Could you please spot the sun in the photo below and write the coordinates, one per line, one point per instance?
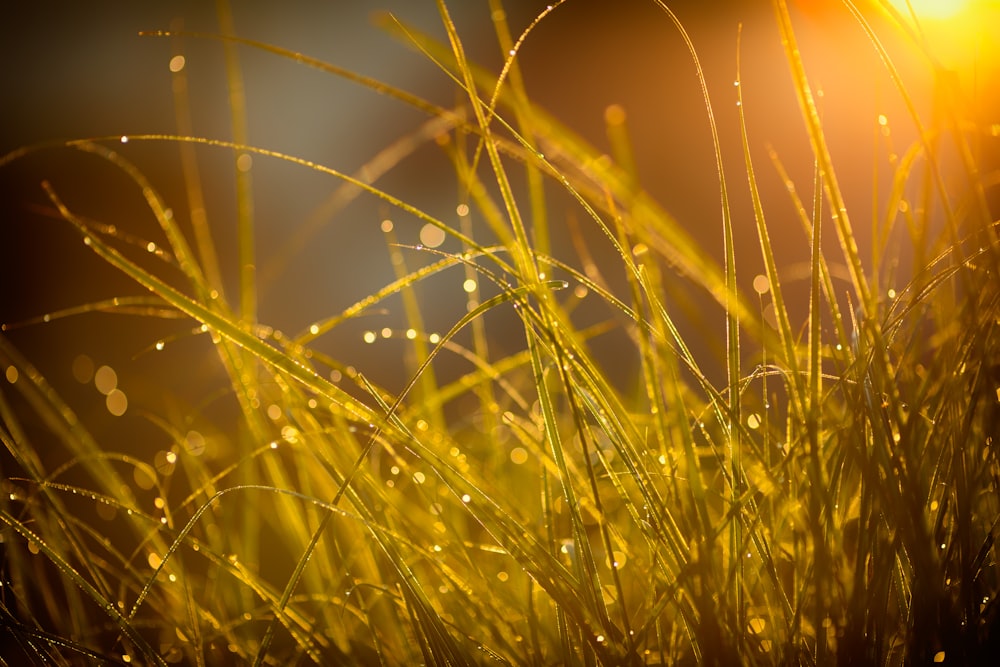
(930, 9)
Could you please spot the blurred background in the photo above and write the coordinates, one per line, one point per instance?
(80, 70)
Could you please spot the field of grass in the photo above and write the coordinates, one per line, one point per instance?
(807, 479)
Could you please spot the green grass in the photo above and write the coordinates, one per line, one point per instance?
(834, 497)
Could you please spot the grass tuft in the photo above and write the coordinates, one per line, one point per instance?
(834, 497)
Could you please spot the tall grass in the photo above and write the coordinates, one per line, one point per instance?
(834, 500)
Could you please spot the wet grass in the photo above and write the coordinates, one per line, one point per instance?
(833, 499)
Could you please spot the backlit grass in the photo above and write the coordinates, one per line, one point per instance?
(831, 495)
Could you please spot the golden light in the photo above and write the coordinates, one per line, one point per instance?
(961, 38)
(930, 9)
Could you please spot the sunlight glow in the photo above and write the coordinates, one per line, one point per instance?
(930, 9)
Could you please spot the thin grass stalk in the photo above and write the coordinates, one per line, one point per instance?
(586, 449)
(798, 402)
(515, 82)
(428, 385)
(814, 129)
(820, 502)
(521, 251)
(207, 255)
(732, 339)
(244, 185)
(480, 341)
(829, 292)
